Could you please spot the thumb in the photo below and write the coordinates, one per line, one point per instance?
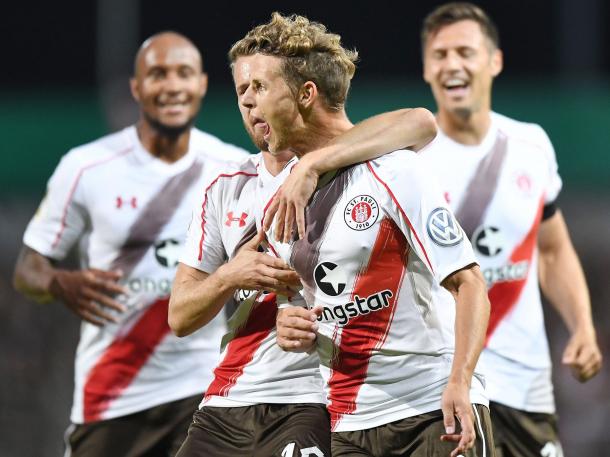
(255, 241)
(448, 418)
(569, 355)
(318, 310)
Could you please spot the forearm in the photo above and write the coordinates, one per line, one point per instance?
(373, 137)
(563, 283)
(33, 275)
(472, 316)
(194, 301)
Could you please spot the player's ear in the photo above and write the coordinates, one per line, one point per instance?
(308, 93)
(203, 84)
(135, 88)
(497, 62)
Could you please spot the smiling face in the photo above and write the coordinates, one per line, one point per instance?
(268, 106)
(169, 83)
(460, 64)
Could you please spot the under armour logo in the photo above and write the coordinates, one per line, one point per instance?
(133, 202)
(241, 220)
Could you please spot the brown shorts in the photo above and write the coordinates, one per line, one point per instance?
(520, 433)
(155, 432)
(265, 430)
(417, 436)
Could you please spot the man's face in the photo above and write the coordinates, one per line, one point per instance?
(460, 64)
(169, 84)
(268, 106)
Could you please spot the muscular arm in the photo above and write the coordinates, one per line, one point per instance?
(369, 139)
(563, 283)
(85, 292)
(198, 296)
(472, 315)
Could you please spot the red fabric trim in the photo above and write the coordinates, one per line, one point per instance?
(367, 332)
(402, 212)
(240, 351)
(123, 360)
(503, 296)
(73, 189)
(205, 200)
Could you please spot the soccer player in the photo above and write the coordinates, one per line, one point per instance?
(378, 244)
(500, 177)
(271, 401)
(126, 199)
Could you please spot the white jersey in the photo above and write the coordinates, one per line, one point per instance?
(497, 191)
(379, 240)
(130, 211)
(253, 369)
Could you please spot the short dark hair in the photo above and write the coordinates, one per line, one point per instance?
(451, 13)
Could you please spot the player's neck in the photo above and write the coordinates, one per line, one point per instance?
(168, 148)
(276, 162)
(468, 129)
(320, 130)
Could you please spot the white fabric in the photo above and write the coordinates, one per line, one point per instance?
(516, 361)
(253, 369)
(96, 195)
(391, 305)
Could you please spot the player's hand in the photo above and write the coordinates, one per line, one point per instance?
(288, 204)
(254, 270)
(582, 355)
(296, 328)
(455, 403)
(88, 293)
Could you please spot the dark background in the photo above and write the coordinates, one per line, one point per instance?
(63, 82)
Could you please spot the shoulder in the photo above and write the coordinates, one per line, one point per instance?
(236, 173)
(526, 133)
(398, 165)
(100, 151)
(210, 146)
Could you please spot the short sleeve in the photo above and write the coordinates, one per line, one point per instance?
(62, 215)
(554, 183)
(415, 203)
(204, 249)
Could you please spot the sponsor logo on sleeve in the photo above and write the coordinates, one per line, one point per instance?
(361, 212)
(443, 228)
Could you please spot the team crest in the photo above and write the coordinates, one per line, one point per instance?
(443, 228)
(361, 212)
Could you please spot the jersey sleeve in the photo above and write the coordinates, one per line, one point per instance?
(204, 249)
(415, 203)
(554, 183)
(62, 215)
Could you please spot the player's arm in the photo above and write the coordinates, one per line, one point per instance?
(369, 139)
(472, 314)
(563, 283)
(86, 292)
(198, 296)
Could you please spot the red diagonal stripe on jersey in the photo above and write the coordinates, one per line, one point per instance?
(503, 296)
(123, 359)
(365, 333)
(241, 349)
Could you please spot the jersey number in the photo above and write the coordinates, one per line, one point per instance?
(308, 451)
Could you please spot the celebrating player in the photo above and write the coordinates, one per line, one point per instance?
(378, 243)
(127, 199)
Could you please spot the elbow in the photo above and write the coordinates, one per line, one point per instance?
(178, 324)
(426, 126)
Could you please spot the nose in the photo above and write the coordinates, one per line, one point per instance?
(173, 82)
(452, 61)
(247, 98)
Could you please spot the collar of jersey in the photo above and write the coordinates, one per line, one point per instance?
(483, 147)
(151, 162)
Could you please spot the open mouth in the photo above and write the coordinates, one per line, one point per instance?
(456, 86)
(261, 127)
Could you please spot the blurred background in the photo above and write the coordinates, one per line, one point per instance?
(64, 81)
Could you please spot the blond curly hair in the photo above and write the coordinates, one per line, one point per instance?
(309, 53)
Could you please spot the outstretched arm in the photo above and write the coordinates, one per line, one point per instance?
(369, 139)
(198, 296)
(472, 315)
(88, 293)
(563, 283)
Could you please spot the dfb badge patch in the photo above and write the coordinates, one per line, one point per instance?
(361, 212)
(443, 228)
